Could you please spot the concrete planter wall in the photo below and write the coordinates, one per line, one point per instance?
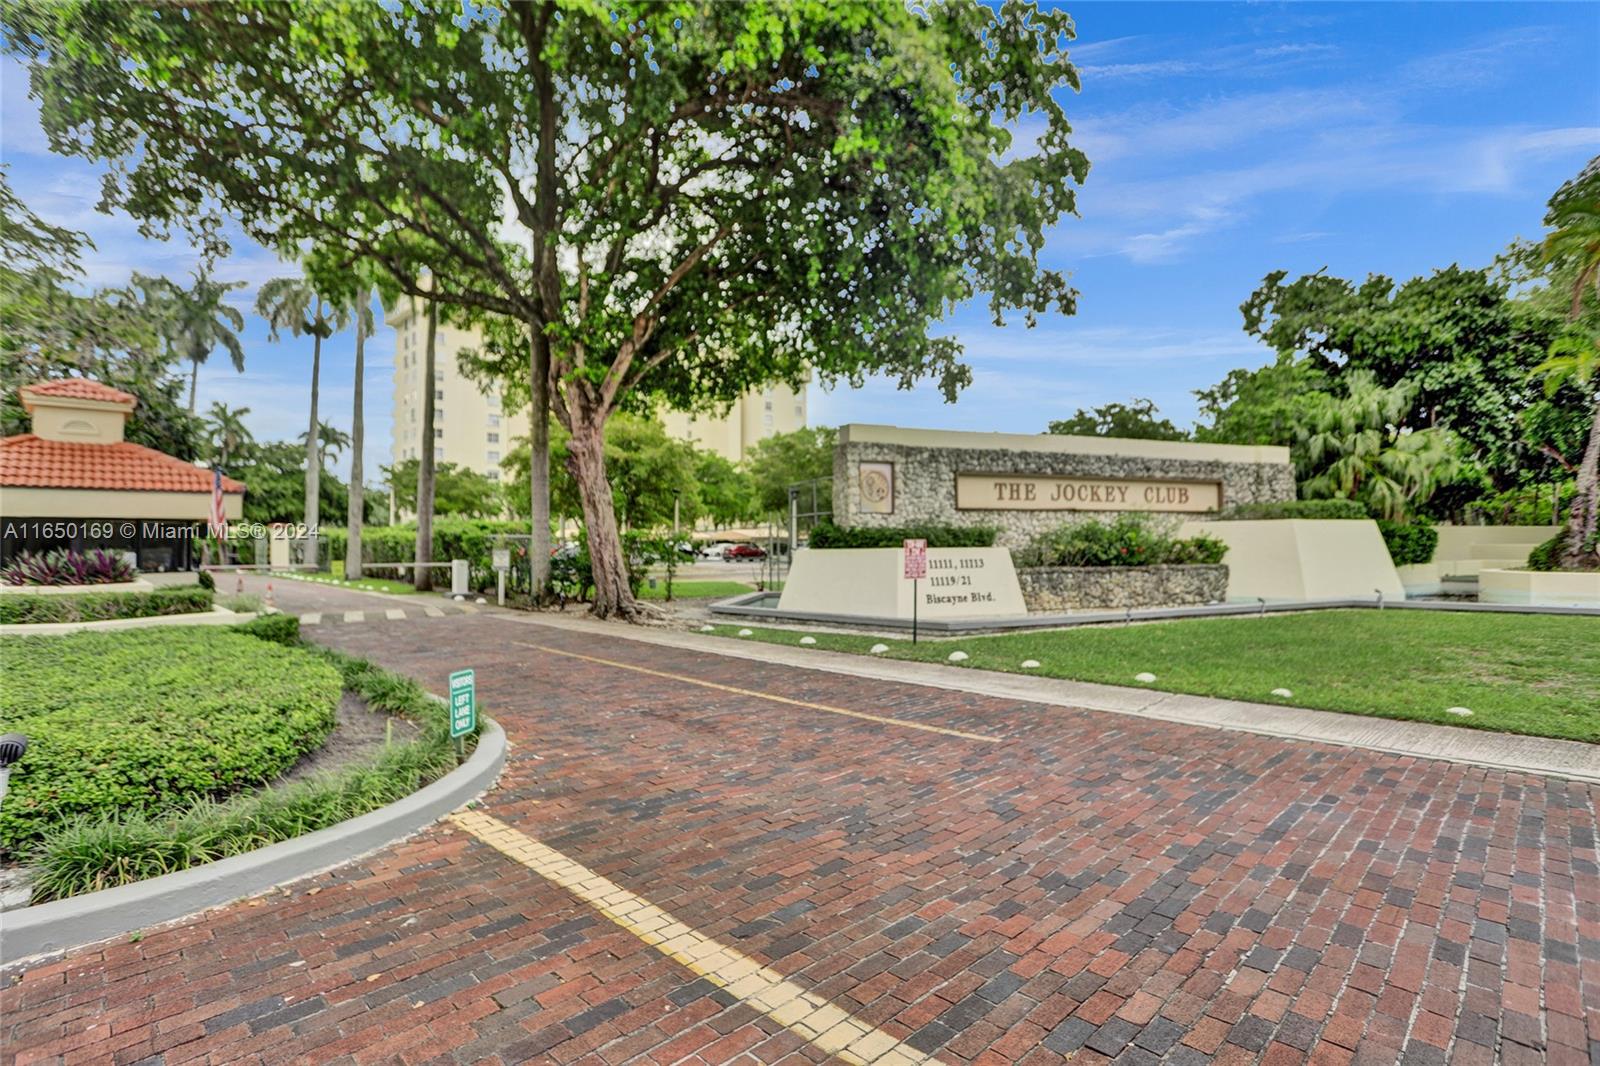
(1544, 588)
(1072, 588)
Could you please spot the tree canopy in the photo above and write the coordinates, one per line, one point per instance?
(713, 196)
(1137, 419)
(785, 459)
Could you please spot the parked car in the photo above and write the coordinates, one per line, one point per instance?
(743, 552)
(713, 551)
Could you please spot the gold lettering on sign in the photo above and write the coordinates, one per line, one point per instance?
(1047, 492)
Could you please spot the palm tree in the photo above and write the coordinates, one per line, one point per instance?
(195, 320)
(1574, 240)
(293, 304)
(1352, 447)
(331, 440)
(229, 435)
(361, 309)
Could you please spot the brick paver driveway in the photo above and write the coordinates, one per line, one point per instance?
(1013, 883)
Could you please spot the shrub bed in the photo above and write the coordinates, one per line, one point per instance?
(25, 609)
(1131, 539)
(145, 720)
(119, 849)
(67, 567)
(828, 535)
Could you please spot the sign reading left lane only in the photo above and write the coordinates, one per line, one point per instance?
(463, 703)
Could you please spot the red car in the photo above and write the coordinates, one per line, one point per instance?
(736, 552)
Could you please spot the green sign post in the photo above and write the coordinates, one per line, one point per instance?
(463, 706)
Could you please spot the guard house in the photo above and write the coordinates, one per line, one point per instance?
(74, 482)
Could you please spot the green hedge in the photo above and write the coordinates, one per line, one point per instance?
(1128, 540)
(141, 721)
(122, 848)
(1296, 509)
(828, 535)
(1547, 556)
(471, 539)
(278, 628)
(1410, 543)
(31, 609)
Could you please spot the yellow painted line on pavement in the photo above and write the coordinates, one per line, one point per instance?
(880, 719)
(832, 1029)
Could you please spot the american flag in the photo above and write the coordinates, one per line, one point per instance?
(217, 521)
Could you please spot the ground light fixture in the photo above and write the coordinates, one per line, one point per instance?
(12, 745)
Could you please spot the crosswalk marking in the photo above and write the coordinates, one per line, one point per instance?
(831, 1028)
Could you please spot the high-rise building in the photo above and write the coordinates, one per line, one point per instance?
(471, 430)
(756, 415)
(469, 427)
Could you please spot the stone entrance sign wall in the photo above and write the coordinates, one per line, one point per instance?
(1024, 484)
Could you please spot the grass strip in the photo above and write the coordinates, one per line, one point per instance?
(1537, 675)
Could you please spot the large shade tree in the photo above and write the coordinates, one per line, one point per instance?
(705, 197)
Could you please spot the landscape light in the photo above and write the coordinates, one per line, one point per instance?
(12, 745)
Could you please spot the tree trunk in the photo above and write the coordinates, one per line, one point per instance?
(313, 452)
(357, 514)
(539, 464)
(1583, 517)
(194, 379)
(423, 575)
(586, 461)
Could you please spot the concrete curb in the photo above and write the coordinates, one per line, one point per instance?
(87, 919)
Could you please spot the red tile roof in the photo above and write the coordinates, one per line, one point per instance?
(80, 389)
(32, 462)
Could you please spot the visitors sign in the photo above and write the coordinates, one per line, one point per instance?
(463, 703)
(916, 559)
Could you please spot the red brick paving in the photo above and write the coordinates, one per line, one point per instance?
(1094, 886)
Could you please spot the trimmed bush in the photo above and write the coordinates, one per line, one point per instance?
(1547, 556)
(147, 720)
(1319, 509)
(25, 609)
(122, 848)
(1410, 543)
(277, 628)
(828, 535)
(1127, 540)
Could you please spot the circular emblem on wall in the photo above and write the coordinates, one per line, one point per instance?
(874, 486)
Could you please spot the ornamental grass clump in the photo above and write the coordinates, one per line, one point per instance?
(67, 567)
(1131, 539)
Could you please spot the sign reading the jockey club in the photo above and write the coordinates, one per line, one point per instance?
(1036, 492)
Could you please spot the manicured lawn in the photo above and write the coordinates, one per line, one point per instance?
(1538, 675)
(694, 590)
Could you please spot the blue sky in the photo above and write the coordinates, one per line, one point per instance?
(1227, 141)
